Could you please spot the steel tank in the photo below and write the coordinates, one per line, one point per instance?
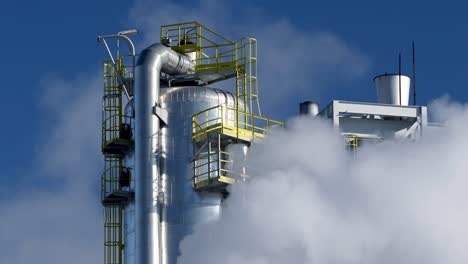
(181, 206)
(129, 209)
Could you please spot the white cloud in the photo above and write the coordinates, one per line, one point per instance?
(309, 202)
(76, 106)
(59, 219)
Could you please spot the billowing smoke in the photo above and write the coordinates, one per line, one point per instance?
(310, 201)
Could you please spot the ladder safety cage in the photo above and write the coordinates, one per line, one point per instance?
(113, 242)
(246, 79)
(117, 134)
(116, 181)
(116, 138)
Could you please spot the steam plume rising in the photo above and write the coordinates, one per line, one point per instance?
(310, 202)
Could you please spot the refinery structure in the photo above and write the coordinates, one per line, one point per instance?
(166, 135)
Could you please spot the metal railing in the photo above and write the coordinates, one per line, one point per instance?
(113, 242)
(113, 120)
(113, 127)
(212, 51)
(112, 117)
(111, 178)
(217, 165)
(229, 120)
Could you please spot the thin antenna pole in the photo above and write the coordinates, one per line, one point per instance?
(399, 74)
(414, 76)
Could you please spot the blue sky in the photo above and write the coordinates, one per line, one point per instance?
(58, 38)
(52, 63)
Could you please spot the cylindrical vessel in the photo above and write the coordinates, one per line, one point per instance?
(129, 233)
(388, 88)
(309, 108)
(149, 193)
(183, 207)
(146, 170)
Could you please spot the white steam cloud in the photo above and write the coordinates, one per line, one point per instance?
(309, 201)
(55, 216)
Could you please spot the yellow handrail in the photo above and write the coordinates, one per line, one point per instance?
(217, 117)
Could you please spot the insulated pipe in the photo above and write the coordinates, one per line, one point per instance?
(153, 60)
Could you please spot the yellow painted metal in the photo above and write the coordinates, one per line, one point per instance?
(214, 167)
(215, 58)
(232, 122)
(213, 53)
(111, 105)
(216, 54)
(247, 88)
(112, 121)
(112, 114)
(352, 143)
(113, 245)
(110, 175)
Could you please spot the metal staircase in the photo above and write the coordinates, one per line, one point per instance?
(215, 129)
(116, 183)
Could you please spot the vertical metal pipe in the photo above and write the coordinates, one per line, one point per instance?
(151, 62)
(414, 75)
(219, 155)
(399, 75)
(209, 158)
(146, 143)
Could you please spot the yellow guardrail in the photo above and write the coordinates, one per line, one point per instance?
(232, 122)
(112, 127)
(212, 51)
(214, 166)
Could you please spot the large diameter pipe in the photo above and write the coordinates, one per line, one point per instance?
(152, 61)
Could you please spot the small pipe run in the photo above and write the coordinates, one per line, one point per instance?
(152, 61)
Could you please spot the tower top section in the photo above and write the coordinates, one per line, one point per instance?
(216, 58)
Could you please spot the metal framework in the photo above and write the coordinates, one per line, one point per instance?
(217, 58)
(116, 141)
(351, 143)
(370, 121)
(113, 245)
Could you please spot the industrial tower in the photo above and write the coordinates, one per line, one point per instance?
(166, 137)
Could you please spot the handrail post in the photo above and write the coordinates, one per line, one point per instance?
(253, 125)
(209, 157)
(219, 154)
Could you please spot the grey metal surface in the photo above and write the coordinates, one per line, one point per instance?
(152, 61)
(309, 108)
(393, 89)
(129, 233)
(132, 53)
(370, 120)
(129, 210)
(184, 207)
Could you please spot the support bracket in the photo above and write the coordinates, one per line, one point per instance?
(161, 113)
